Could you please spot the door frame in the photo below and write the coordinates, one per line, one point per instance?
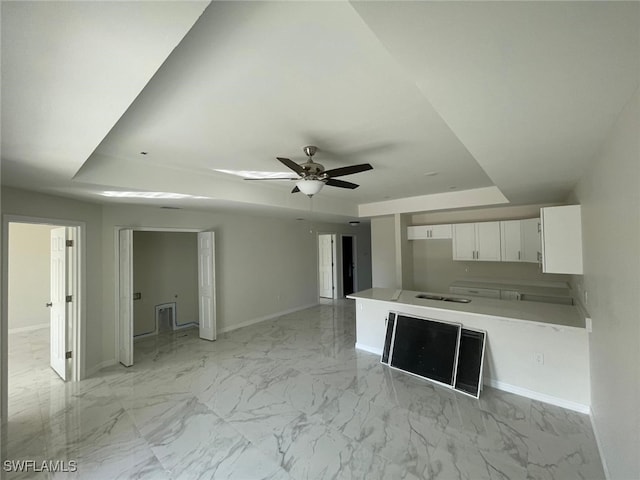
(76, 322)
(354, 255)
(116, 244)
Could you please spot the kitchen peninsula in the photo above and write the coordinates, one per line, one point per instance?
(538, 350)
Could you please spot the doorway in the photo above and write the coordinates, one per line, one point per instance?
(206, 287)
(43, 308)
(349, 278)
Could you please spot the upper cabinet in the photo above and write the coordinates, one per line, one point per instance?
(561, 231)
(429, 232)
(520, 240)
(476, 241)
(531, 241)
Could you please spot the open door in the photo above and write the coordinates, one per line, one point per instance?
(207, 285)
(125, 295)
(58, 301)
(326, 265)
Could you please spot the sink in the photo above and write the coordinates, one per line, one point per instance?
(457, 300)
(428, 296)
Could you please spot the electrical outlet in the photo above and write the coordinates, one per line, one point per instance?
(538, 358)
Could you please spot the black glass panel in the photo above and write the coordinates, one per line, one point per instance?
(425, 347)
(469, 362)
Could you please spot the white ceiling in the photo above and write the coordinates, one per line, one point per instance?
(518, 96)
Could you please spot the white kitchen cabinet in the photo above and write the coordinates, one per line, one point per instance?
(520, 240)
(429, 232)
(476, 241)
(511, 240)
(561, 232)
(531, 243)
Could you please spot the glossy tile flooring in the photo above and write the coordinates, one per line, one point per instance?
(284, 399)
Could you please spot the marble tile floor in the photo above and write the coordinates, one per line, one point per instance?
(288, 398)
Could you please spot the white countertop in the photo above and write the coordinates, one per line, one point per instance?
(544, 313)
(551, 290)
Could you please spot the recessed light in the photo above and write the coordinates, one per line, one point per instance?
(431, 174)
(354, 223)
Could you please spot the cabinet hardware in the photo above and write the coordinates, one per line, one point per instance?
(518, 254)
(50, 304)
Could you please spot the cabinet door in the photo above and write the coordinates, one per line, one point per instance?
(511, 241)
(561, 239)
(440, 231)
(464, 241)
(475, 292)
(509, 295)
(488, 241)
(531, 246)
(418, 232)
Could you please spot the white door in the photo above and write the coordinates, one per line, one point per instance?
(511, 240)
(58, 303)
(531, 248)
(488, 241)
(464, 241)
(125, 273)
(325, 265)
(207, 285)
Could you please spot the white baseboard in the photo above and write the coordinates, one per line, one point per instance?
(543, 397)
(253, 321)
(96, 368)
(599, 445)
(366, 348)
(30, 328)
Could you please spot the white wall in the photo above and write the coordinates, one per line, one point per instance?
(383, 252)
(29, 278)
(165, 270)
(609, 194)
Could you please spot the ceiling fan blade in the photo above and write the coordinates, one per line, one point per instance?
(295, 190)
(292, 165)
(341, 183)
(351, 169)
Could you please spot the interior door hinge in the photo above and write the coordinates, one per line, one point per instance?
(67, 355)
(69, 243)
(69, 298)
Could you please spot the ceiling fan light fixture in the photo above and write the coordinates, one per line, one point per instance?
(310, 187)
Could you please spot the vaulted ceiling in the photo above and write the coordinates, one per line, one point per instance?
(514, 98)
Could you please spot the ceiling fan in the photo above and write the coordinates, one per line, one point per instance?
(312, 176)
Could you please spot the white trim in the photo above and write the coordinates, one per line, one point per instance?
(96, 368)
(366, 348)
(265, 318)
(28, 329)
(542, 397)
(596, 434)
